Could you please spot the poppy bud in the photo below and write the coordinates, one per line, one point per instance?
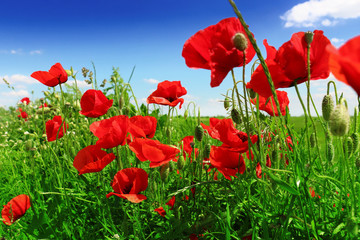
(57, 96)
(275, 156)
(164, 171)
(355, 138)
(327, 106)
(28, 145)
(126, 110)
(68, 72)
(235, 115)
(240, 42)
(330, 151)
(44, 110)
(46, 93)
(181, 162)
(199, 133)
(339, 121)
(312, 140)
(309, 36)
(252, 93)
(348, 146)
(226, 103)
(121, 102)
(207, 150)
(186, 113)
(168, 132)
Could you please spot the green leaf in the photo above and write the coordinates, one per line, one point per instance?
(283, 185)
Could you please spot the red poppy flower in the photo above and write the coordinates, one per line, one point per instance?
(111, 132)
(168, 93)
(289, 64)
(186, 147)
(94, 103)
(92, 159)
(15, 209)
(25, 100)
(211, 128)
(258, 170)
(283, 101)
(228, 162)
(171, 203)
(128, 183)
(213, 49)
(52, 128)
(23, 115)
(44, 105)
(56, 75)
(154, 151)
(345, 63)
(146, 124)
(160, 211)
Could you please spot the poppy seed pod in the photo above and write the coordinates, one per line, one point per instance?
(199, 132)
(235, 115)
(309, 36)
(339, 121)
(240, 42)
(327, 106)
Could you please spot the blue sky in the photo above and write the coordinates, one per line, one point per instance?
(151, 34)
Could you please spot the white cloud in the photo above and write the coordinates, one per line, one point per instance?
(80, 84)
(18, 78)
(20, 93)
(17, 51)
(35, 52)
(151, 81)
(321, 12)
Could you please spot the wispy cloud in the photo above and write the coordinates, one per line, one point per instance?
(321, 12)
(151, 81)
(18, 78)
(36, 52)
(80, 84)
(20, 93)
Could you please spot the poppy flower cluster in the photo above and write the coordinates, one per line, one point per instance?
(15, 209)
(55, 128)
(168, 93)
(56, 75)
(228, 157)
(213, 49)
(345, 63)
(161, 211)
(94, 103)
(128, 183)
(22, 114)
(288, 64)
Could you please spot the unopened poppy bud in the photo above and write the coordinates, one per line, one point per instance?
(207, 150)
(126, 110)
(226, 103)
(235, 115)
(168, 132)
(199, 132)
(181, 162)
(348, 146)
(164, 171)
(252, 93)
(46, 93)
(121, 102)
(240, 42)
(312, 140)
(327, 106)
(68, 72)
(186, 113)
(275, 156)
(330, 151)
(42, 110)
(57, 96)
(355, 138)
(309, 36)
(339, 121)
(28, 145)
